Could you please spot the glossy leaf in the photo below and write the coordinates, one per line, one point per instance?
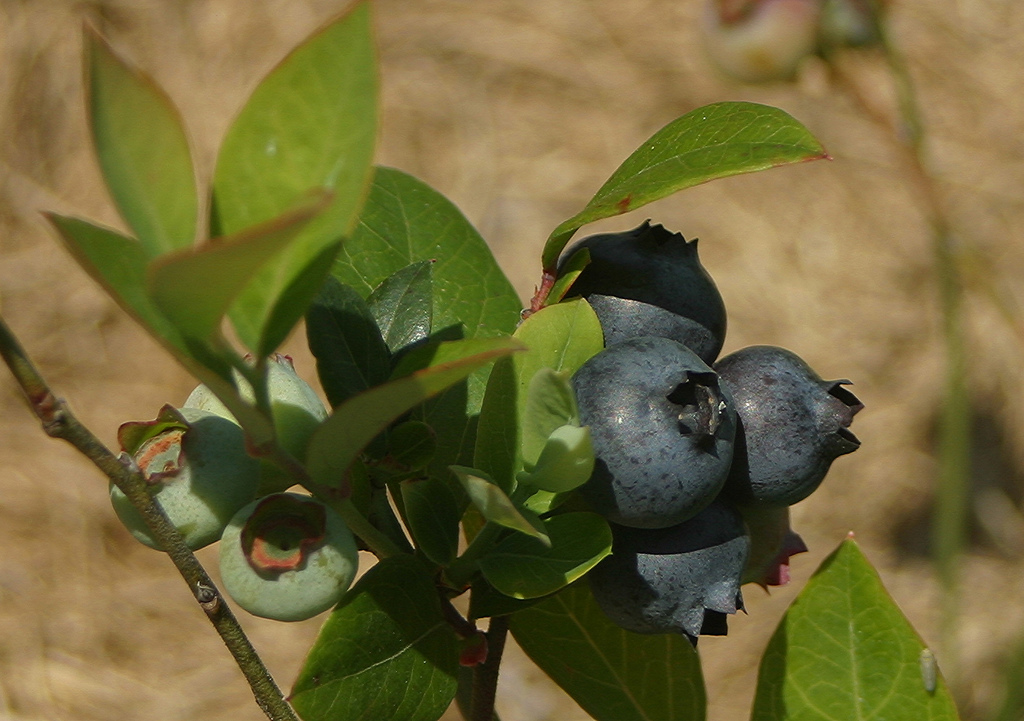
(614, 675)
(715, 141)
(385, 652)
(310, 124)
(351, 356)
(560, 337)
(194, 288)
(433, 515)
(358, 420)
(845, 651)
(496, 507)
(142, 150)
(520, 567)
(403, 307)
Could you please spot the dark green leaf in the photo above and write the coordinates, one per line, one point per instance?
(142, 150)
(498, 508)
(845, 651)
(521, 567)
(385, 652)
(411, 445)
(403, 306)
(310, 124)
(351, 356)
(358, 420)
(715, 141)
(485, 601)
(614, 675)
(561, 337)
(194, 288)
(433, 514)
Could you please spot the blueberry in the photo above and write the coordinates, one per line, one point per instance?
(652, 270)
(287, 557)
(682, 579)
(662, 429)
(197, 469)
(792, 425)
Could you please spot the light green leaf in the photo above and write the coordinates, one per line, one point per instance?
(565, 463)
(496, 507)
(845, 652)
(194, 288)
(560, 337)
(520, 567)
(614, 675)
(715, 141)
(311, 123)
(338, 442)
(142, 149)
(386, 652)
(550, 404)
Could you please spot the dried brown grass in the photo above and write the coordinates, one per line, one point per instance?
(517, 111)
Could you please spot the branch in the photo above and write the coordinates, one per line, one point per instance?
(58, 422)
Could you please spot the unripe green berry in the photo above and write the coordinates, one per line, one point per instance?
(197, 469)
(287, 557)
(296, 408)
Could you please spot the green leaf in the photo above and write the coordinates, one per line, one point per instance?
(385, 652)
(566, 462)
(119, 264)
(844, 650)
(432, 512)
(403, 307)
(142, 150)
(715, 141)
(496, 507)
(560, 337)
(614, 675)
(411, 445)
(194, 288)
(550, 404)
(343, 336)
(358, 420)
(568, 274)
(311, 123)
(520, 567)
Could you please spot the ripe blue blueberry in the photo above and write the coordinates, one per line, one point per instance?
(682, 579)
(792, 425)
(649, 281)
(662, 429)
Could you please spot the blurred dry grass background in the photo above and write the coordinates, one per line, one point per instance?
(518, 110)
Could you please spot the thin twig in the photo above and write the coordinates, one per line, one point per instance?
(485, 675)
(58, 422)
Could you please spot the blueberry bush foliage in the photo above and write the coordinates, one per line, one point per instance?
(475, 448)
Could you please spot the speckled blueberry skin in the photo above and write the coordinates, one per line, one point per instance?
(657, 267)
(792, 423)
(683, 579)
(662, 430)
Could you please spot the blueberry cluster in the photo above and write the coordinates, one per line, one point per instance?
(697, 458)
(284, 556)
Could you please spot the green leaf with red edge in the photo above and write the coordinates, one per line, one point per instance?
(386, 652)
(422, 373)
(311, 123)
(715, 141)
(613, 674)
(119, 265)
(844, 652)
(142, 150)
(194, 288)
